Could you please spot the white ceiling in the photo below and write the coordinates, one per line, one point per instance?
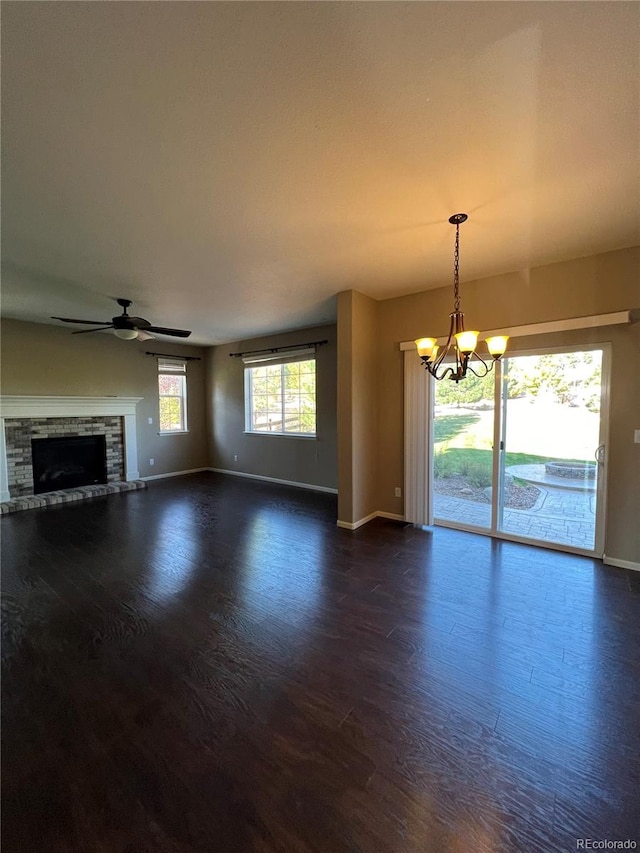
(232, 166)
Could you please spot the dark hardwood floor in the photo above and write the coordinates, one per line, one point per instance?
(212, 665)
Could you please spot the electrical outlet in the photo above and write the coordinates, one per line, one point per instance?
(235, 457)
(152, 462)
(398, 492)
(149, 420)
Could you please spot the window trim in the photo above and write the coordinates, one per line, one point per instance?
(305, 436)
(279, 360)
(174, 367)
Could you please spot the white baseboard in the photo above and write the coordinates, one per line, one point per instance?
(621, 564)
(348, 525)
(174, 474)
(394, 516)
(308, 486)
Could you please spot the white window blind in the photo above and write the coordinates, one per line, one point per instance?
(171, 365)
(281, 357)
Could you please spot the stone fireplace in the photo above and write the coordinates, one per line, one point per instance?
(27, 419)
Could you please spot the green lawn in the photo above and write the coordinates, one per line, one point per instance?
(473, 463)
(477, 465)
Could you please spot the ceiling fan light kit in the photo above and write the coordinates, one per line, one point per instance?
(125, 334)
(453, 360)
(125, 327)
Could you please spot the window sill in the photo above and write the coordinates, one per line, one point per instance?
(175, 432)
(304, 437)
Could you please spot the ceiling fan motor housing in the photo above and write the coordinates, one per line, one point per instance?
(126, 322)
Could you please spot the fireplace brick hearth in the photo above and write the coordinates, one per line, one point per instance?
(47, 499)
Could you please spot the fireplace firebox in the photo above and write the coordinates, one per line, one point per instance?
(67, 462)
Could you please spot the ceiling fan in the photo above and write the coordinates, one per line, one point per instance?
(126, 327)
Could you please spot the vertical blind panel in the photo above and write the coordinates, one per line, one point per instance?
(418, 451)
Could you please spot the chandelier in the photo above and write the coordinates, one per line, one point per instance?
(455, 357)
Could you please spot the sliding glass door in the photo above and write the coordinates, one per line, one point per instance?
(521, 453)
(463, 435)
(551, 425)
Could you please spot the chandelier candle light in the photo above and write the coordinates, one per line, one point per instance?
(461, 345)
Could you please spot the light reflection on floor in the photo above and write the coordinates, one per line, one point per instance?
(282, 555)
(172, 558)
(460, 658)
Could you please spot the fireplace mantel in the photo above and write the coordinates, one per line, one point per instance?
(66, 407)
(14, 406)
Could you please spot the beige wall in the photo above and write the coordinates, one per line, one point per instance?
(345, 411)
(595, 285)
(45, 360)
(299, 460)
(360, 384)
(358, 409)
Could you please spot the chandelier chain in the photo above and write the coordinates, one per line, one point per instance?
(456, 271)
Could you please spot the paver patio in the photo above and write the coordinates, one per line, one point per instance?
(559, 515)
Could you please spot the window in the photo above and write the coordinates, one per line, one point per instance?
(172, 390)
(280, 394)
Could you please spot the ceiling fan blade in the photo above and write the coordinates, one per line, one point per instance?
(161, 330)
(83, 322)
(84, 331)
(143, 335)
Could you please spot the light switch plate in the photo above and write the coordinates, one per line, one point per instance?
(636, 436)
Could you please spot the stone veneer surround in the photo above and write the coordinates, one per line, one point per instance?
(67, 414)
(20, 431)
